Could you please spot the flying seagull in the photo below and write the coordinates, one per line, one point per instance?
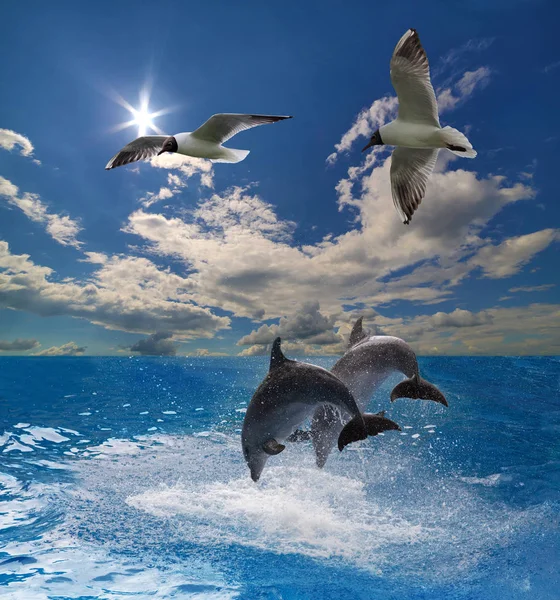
(205, 142)
(416, 131)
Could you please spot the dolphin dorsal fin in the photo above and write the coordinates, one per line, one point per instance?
(277, 357)
(357, 334)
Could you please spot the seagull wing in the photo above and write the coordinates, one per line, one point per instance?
(410, 75)
(221, 127)
(142, 147)
(410, 171)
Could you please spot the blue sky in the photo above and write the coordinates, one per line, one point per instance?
(302, 236)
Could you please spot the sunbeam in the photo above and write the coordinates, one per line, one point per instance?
(142, 117)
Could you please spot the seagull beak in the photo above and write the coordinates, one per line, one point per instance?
(371, 143)
(161, 152)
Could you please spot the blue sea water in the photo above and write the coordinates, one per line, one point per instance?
(124, 478)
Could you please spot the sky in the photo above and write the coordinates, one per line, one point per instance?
(179, 256)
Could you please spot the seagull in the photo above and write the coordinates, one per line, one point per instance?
(416, 131)
(205, 142)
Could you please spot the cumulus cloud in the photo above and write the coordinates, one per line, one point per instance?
(511, 255)
(124, 293)
(533, 329)
(10, 140)
(527, 330)
(202, 352)
(307, 324)
(18, 345)
(61, 228)
(186, 166)
(68, 349)
(240, 255)
(157, 344)
(460, 318)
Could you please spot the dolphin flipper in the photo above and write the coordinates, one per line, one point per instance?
(374, 424)
(418, 388)
(272, 447)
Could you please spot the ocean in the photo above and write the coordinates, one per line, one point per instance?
(123, 478)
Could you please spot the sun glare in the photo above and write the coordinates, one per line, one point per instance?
(141, 117)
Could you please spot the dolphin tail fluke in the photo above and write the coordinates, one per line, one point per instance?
(418, 388)
(375, 424)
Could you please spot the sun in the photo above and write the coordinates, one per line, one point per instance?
(141, 117)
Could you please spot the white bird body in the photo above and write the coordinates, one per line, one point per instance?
(204, 142)
(416, 132)
(190, 145)
(411, 135)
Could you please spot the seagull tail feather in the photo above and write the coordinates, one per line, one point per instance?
(231, 156)
(456, 142)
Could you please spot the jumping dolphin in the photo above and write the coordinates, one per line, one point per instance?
(367, 362)
(288, 395)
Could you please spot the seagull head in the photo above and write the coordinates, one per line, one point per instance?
(375, 141)
(170, 145)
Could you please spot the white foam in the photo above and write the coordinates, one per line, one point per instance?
(46, 433)
(371, 509)
(294, 510)
(14, 445)
(488, 481)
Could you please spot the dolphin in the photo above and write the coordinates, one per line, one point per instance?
(367, 362)
(287, 396)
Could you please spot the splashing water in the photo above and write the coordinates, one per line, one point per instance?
(116, 485)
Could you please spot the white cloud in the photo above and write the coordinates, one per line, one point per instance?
(96, 258)
(61, 228)
(385, 109)
(533, 288)
(241, 257)
(125, 293)
(158, 344)
(206, 352)
(507, 258)
(188, 166)
(307, 324)
(366, 124)
(18, 345)
(460, 318)
(9, 140)
(68, 349)
(449, 97)
(533, 329)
